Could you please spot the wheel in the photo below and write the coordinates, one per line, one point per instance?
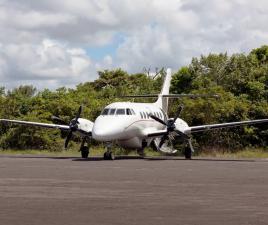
(105, 156)
(84, 152)
(108, 156)
(111, 156)
(188, 153)
(141, 152)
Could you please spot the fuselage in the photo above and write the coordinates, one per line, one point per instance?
(127, 123)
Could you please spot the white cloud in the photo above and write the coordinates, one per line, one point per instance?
(45, 42)
(49, 61)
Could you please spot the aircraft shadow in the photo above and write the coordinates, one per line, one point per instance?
(36, 157)
(100, 158)
(161, 158)
(126, 157)
(199, 159)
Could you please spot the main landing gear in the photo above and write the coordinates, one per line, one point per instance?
(141, 150)
(84, 149)
(188, 153)
(108, 155)
(189, 150)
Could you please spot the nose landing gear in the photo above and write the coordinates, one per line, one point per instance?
(84, 149)
(108, 155)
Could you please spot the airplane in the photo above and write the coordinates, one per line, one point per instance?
(135, 125)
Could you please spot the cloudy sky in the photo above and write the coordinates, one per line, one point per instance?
(53, 43)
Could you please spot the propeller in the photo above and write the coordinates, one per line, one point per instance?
(58, 120)
(73, 125)
(170, 124)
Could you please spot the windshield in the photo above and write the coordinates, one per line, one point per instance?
(120, 112)
(114, 111)
(105, 112)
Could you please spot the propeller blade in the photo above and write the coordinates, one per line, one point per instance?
(162, 141)
(191, 145)
(180, 108)
(183, 135)
(78, 113)
(59, 120)
(68, 139)
(158, 119)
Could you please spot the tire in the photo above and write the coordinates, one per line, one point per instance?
(141, 153)
(108, 156)
(111, 156)
(188, 153)
(84, 152)
(105, 156)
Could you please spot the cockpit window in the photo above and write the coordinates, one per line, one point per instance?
(112, 111)
(120, 112)
(105, 112)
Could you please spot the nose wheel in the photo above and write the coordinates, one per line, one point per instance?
(84, 149)
(108, 155)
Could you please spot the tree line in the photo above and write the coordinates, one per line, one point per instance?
(241, 81)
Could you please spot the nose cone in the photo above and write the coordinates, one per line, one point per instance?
(107, 128)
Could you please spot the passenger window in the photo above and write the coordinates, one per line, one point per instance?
(120, 112)
(132, 111)
(163, 115)
(105, 112)
(141, 115)
(112, 111)
(144, 115)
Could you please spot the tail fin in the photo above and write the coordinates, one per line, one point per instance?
(162, 102)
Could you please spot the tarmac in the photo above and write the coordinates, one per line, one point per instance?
(71, 191)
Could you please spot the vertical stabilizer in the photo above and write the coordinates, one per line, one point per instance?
(162, 102)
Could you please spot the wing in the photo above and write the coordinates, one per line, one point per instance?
(202, 128)
(156, 133)
(29, 123)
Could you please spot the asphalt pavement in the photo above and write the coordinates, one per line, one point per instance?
(71, 191)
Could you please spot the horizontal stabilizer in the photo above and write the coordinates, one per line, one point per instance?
(172, 96)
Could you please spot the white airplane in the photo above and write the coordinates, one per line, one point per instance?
(135, 125)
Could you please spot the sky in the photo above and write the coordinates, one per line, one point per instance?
(50, 44)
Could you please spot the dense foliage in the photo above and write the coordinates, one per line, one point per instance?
(241, 81)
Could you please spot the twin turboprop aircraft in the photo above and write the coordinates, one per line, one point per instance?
(135, 125)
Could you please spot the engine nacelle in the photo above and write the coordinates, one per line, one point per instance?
(85, 125)
(181, 125)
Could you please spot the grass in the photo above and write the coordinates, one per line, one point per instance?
(245, 153)
(99, 150)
